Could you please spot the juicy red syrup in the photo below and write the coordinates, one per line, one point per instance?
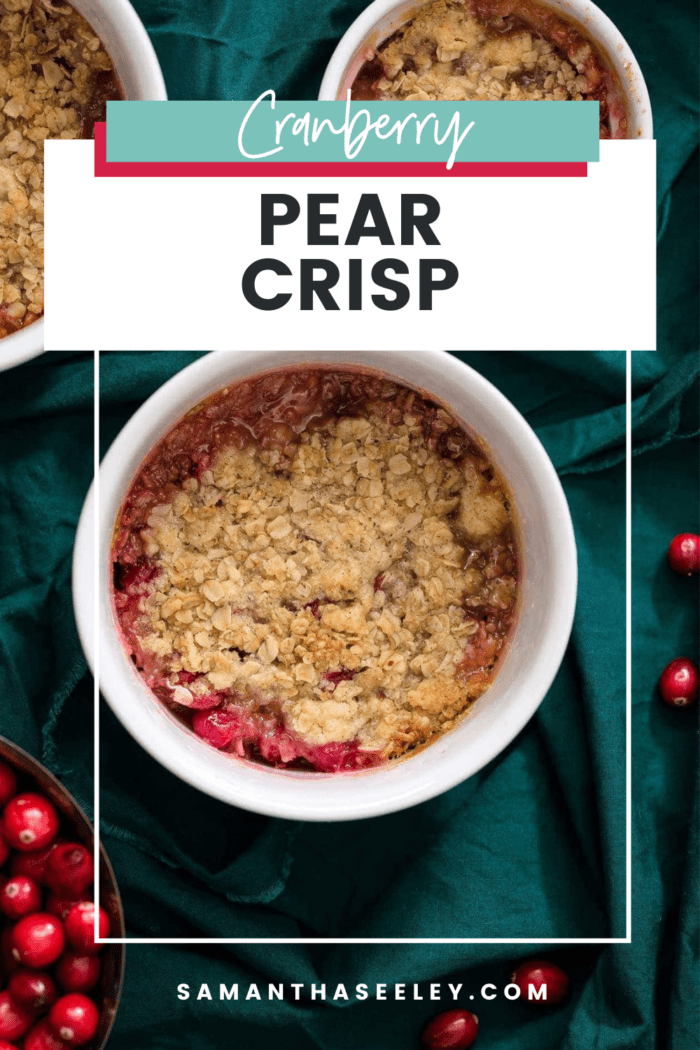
(260, 735)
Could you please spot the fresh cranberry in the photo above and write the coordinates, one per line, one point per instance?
(38, 940)
(678, 683)
(59, 905)
(78, 973)
(80, 928)
(8, 963)
(42, 1037)
(539, 973)
(7, 1046)
(14, 1020)
(20, 896)
(4, 849)
(684, 554)
(8, 783)
(218, 728)
(33, 989)
(29, 822)
(69, 869)
(32, 864)
(74, 1018)
(453, 1030)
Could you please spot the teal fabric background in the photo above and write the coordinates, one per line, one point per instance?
(532, 846)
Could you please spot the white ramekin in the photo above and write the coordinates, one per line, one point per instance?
(123, 34)
(384, 17)
(14, 350)
(535, 651)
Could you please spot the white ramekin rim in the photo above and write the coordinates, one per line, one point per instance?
(295, 796)
(595, 22)
(21, 346)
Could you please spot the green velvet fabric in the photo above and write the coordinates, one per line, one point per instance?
(533, 846)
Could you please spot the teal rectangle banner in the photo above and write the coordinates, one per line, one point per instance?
(272, 131)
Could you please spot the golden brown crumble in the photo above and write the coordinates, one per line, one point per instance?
(49, 59)
(446, 53)
(353, 557)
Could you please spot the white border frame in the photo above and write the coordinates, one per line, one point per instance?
(627, 939)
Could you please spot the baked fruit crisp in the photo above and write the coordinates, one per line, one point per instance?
(55, 80)
(492, 50)
(316, 569)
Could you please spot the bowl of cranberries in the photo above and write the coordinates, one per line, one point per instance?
(58, 987)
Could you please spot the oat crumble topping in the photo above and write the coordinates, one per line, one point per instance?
(332, 579)
(54, 75)
(488, 50)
